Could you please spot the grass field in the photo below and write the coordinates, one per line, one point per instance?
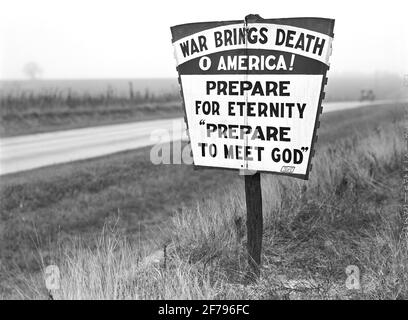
(45, 108)
(346, 214)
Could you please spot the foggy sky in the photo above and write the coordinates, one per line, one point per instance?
(131, 39)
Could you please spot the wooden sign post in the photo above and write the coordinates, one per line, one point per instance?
(253, 197)
(252, 92)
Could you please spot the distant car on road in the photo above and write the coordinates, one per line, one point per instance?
(367, 95)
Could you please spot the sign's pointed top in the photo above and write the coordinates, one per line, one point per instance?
(253, 18)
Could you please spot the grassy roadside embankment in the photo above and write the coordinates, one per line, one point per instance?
(346, 214)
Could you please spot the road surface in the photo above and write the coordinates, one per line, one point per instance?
(43, 149)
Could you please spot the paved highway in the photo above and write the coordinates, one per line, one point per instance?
(38, 150)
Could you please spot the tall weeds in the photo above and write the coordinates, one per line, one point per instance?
(347, 213)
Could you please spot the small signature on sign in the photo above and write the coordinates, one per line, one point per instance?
(287, 169)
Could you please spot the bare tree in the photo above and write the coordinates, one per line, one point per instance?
(32, 70)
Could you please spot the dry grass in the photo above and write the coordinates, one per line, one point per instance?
(30, 111)
(346, 214)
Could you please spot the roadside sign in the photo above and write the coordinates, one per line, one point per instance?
(252, 91)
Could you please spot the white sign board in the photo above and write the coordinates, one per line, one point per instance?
(252, 91)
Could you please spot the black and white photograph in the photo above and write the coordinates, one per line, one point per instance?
(204, 158)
